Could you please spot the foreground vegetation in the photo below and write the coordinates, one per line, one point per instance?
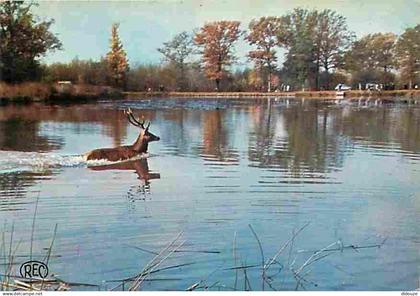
(321, 51)
(268, 271)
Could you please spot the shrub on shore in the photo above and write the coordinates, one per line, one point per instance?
(27, 90)
(36, 91)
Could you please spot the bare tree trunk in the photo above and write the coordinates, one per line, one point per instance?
(219, 69)
(181, 81)
(269, 74)
(317, 76)
(327, 76)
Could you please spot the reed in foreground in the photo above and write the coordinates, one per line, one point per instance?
(266, 273)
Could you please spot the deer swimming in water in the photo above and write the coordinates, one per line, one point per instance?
(126, 152)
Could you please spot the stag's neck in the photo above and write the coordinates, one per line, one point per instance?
(140, 145)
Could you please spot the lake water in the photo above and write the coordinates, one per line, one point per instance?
(348, 173)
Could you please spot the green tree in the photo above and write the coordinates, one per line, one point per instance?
(176, 52)
(296, 35)
(331, 39)
(78, 71)
(408, 55)
(384, 50)
(371, 58)
(315, 42)
(117, 59)
(373, 51)
(23, 41)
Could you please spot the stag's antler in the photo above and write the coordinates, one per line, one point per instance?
(128, 113)
(132, 119)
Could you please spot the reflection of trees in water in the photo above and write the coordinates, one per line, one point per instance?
(216, 144)
(201, 133)
(368, 124)
(382, 125)
(141, 168)
(24, 135)
(317, 136)
(179, 131)
(407, 131)
(117, 129)
(306, 147)
(262, 138)
(13, 188)
(312, 146)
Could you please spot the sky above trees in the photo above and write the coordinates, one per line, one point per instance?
(83, 27)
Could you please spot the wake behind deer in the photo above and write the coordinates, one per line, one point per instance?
(121, 153)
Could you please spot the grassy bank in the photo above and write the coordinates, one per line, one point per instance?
(35, 91)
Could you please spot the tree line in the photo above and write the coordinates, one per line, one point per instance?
(319, 52)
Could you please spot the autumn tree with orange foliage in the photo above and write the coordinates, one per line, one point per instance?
(117, 59)
(216, 40)
(263, 33)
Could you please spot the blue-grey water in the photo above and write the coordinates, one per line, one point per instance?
(350, 172)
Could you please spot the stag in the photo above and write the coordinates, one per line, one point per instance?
(126, 152)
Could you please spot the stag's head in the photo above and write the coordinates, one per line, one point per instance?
(145, 135)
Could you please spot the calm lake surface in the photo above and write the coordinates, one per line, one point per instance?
(351, 171)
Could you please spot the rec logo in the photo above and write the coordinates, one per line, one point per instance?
(33, 269)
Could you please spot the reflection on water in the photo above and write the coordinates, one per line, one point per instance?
(351, 171)
(14, 186)
(141, 168)
(20, 134)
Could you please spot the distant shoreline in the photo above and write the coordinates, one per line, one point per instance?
(413, 93)
(54, 93)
